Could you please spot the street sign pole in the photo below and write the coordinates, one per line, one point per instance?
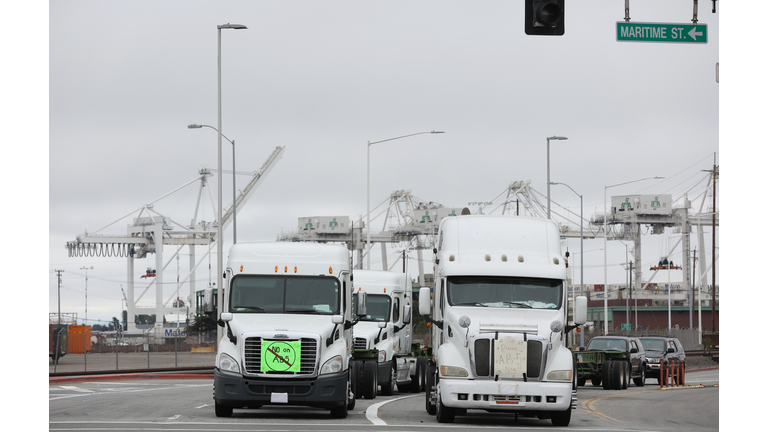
(661, 32)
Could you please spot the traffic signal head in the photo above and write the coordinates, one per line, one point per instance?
(545, 17)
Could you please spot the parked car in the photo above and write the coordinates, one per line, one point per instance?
(624, 344)
(659, 349)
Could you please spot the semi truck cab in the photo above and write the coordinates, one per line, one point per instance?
(287, 316)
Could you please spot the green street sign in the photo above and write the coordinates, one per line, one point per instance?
(661, 32)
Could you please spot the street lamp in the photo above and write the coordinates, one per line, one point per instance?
(368, 217)
(220, 230)
(551, 138)
(581, 272)
(605, 246)
(234, 180)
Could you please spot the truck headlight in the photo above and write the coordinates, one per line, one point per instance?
(332, 366)
(453, 371)
(560, 375)
(382, 356)
(227, 363)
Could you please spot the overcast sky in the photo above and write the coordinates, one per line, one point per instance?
(324, 78)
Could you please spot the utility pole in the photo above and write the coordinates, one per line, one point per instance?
(714, 220)
(58, 274)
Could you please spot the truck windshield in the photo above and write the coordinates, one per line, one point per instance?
(285, 294)
(378, 307)
(505, 292)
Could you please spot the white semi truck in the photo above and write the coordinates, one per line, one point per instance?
(287, 317)
(385, 354)
(499, 320)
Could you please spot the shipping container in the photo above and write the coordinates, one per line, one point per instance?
(79, 339)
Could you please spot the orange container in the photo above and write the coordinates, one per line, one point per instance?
(79, 339)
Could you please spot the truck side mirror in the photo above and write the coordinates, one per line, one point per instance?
(425, 301)
(208, 301)
(580, 310)
(407, 314)
(362, 303)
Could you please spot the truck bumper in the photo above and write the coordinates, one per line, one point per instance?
(327, 391)
(506, 395)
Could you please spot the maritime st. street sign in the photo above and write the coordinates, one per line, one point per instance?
(661, 32)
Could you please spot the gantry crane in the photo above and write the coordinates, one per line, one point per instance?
(151, 232)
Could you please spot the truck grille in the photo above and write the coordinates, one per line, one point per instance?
(482, 355)
(252, 357)
(361, 343)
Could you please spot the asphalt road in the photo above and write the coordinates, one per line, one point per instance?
(187, 405)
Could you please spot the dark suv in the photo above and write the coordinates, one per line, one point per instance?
(659, 349)
(631, 345)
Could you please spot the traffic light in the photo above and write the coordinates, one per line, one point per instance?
(545, 17)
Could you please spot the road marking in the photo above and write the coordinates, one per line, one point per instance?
(174, 417)
(372, 413)
(588, 404)
(76, 389)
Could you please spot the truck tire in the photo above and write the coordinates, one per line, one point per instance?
(561, 418)
(222, 410)
(596, 380)
(370, 384)
(443, 413)
(353, 366)
(430, 378)
(607, 375)
(617, 375)
(417, 380)
(388, 388)
(343, 410)
(627, 375)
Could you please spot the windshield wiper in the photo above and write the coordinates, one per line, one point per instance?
(471, 304)
(306, 311)
(519, 304)
(252, 308)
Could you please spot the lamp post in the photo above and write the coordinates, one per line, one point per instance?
(234, 180)
(85, 321)
(368, 216)
(548, 183)
(581, 254)
(220, 230)
(605, 246)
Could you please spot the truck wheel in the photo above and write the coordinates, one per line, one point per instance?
(342, 411)
(416, 379)
(222, 410)
(627, 374)
(596, 380)
(350, 393)
(607, 374)
(388, 388)
(561, 418)
(640, 381)
(370, 385)
(444, 414)
(353, 378)
(617, 375)
(430, 378)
